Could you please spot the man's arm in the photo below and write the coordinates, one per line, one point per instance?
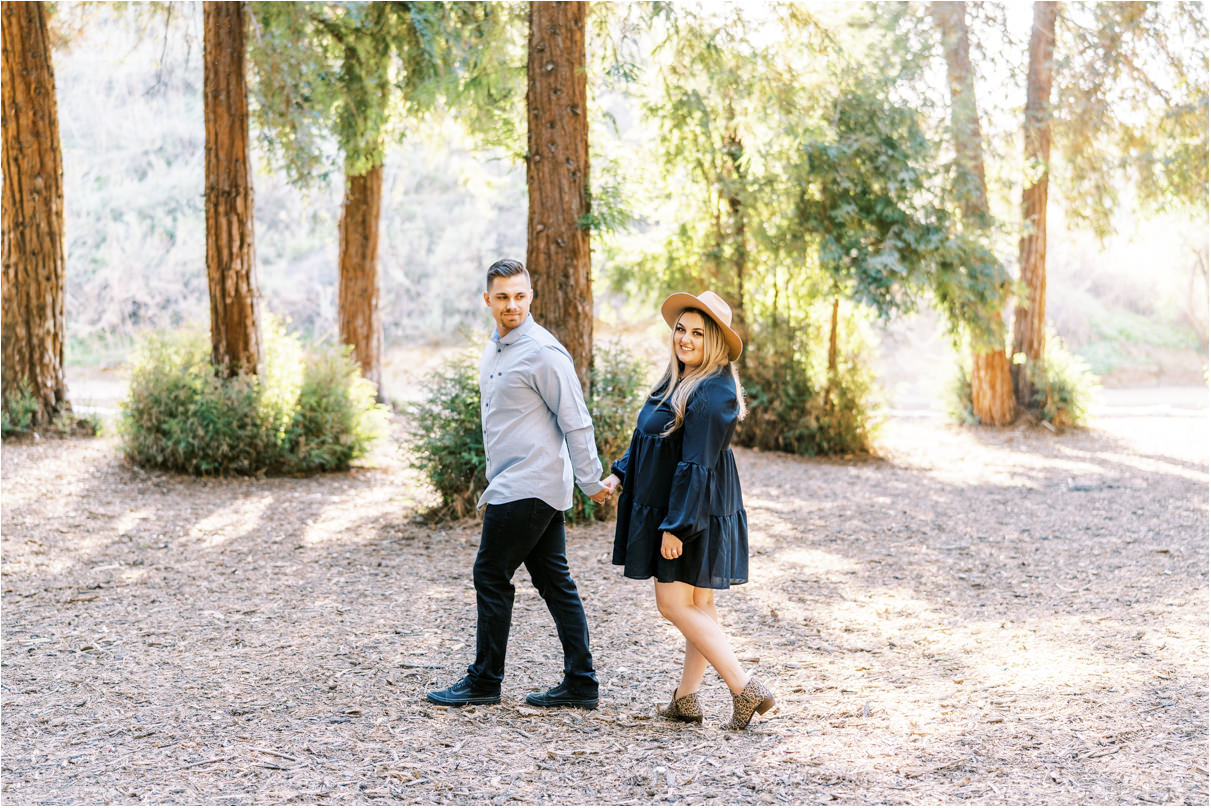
(556, 381)
(586, 465)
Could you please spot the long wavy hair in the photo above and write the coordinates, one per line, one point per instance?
(678, 385)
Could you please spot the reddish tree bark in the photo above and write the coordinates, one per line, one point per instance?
(361, 322)
(1030, 314)
(33, 257)
(991, 384)
(235, 328)
(557, 175)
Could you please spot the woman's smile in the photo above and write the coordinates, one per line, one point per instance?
(689, 336)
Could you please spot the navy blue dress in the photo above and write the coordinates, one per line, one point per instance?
(685, 484)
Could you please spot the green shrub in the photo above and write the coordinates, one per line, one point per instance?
(447, 436)
(618, 392)
(304, 413)
(448, 439)
(1063, 385)
(958, 393)
(20, 411)
(795, 404)
(17, 416)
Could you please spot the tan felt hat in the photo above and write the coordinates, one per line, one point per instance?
(713, 306)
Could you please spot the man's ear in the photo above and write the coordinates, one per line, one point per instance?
(487, 300)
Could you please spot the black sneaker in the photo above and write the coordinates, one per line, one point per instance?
(562, 696)
(464, 692)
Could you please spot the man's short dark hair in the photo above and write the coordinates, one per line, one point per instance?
(505, 268)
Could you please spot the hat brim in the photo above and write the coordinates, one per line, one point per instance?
(675, 303)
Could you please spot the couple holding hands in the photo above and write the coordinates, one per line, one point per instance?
(681, 517)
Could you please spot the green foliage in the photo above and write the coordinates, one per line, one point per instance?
(446, 435)
(1063, 385)
(18, 412)
(356, 73)
(795, 404)
(301, 415)
(958, 393)
(616, 397)
(870, 201)
(1131, 105)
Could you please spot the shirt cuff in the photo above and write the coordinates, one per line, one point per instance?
(590, 488)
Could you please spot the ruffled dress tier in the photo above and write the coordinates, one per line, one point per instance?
(686, 484)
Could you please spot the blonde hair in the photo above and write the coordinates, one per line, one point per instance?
(679, 385)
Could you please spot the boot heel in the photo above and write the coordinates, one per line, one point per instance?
(764, 706)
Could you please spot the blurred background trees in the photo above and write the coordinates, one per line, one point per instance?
(819, 165)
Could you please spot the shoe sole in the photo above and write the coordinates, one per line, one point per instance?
(583, 705)
(462, 702)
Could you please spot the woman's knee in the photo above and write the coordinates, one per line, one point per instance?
(704, 598)
(672, 600)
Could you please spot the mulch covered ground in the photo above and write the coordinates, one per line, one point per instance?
(986, 616)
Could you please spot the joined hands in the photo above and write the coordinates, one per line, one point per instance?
(609, 488)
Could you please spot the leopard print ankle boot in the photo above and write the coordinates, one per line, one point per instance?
(685, 708)
(754, 697)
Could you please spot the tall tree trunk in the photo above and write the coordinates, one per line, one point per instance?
(361, 322)
(991, 385)
(832, 352)
(33, 258)
(235, 328)
(733, 148)
(557, 175)
(1030, 314)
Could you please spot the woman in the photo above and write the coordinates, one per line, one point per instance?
(681, 518)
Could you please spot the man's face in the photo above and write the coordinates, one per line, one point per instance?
(509, 299)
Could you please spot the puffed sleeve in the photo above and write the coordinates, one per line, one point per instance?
(710, 419)
(619, 466)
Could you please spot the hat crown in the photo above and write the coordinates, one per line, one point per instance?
(718, 306)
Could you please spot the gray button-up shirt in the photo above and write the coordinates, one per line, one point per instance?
(533, 414)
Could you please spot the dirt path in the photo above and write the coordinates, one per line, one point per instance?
(997, 617)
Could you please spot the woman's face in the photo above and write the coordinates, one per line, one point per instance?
(689, 338)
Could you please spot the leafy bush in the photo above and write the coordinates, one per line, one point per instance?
(958, 393)
(448, 441)
(448, 438)
(795, 405)
(1063, 385)
(302, 414)
(18, 412)
(617, 395)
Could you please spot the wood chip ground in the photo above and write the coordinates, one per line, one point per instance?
(994, 617)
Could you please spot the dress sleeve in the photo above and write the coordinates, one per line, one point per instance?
(709, 421)
(619, 467)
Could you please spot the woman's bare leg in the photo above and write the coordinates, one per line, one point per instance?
(700, 627)
(695, 663)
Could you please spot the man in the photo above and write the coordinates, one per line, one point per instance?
(536, 431)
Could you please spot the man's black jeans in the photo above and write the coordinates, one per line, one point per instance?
(530, 532)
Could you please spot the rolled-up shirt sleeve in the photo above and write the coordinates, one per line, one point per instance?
(709, 420)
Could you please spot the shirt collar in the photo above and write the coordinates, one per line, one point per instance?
(516, 334)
